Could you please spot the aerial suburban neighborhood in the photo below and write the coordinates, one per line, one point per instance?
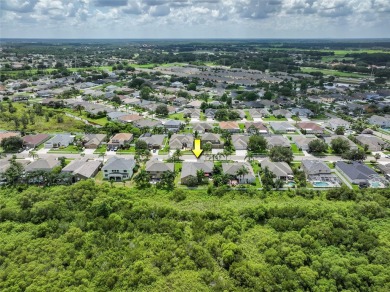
(124, 120)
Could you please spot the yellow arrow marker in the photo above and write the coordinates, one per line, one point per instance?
(197, 150)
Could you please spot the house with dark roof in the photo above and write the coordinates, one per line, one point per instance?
(189, 170)
(118, 169)
(32, 141)
(277, 140)
(282, 112)
(232, 169)
(156, 168)
(356, 172)
(255, 128)
(374, 143)
(147, 123)
(302, 112)
(202, 127)
(173, 125)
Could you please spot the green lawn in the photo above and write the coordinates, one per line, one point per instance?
(248, 115)
(295, 149)
(177, 116)
(71, 149)
(273, 118)
(131, 150)
(333, 72)
(101, 149)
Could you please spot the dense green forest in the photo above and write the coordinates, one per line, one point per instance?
(89, 237)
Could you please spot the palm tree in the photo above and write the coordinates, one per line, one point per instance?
(142, 179)
(249, 156)
(79, 107)
(33, 155)
(242, 171)
(102, 154)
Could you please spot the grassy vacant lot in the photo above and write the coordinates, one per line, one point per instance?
(40, 123)
(333, 72)
(100, 121)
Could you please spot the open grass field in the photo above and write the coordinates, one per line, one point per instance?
(333, 72)
(40, 123)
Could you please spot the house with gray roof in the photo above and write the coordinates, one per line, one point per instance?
(374, 143)
(202, 127)
(181, 141)
(356, 172)
(153, 141)
(258, 112)
(352, 146)
(383, 122)
(118, 169)
(59, 140)
(314, 168)
(156, 168)
(302, 142)
(213, 139)
(240, 142)
(282, 127)
(335, 123)
(192, 113)
(189, 169)
(385, 169)
(302, 112)
(173, 125)
(147, 123)
(233, 168)
(282, 112)
(281, 170)
(277, 140)
(47, 164)
(114, 116)
(210, 113)
(83, 168)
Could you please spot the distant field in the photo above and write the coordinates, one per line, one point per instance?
(333, 72)
(48, 71)
(154, 65)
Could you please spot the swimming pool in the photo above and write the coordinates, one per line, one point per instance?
(375, 184)
(321, 184)
(290, 184)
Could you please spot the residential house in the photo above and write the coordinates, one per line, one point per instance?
(335, 123)
(181, 141)
(233, 169)
(383, 122)
(173, 125)
(385, 169)
(258, 113)
(93, 141)
(352, 146)
(277, 140)
(194, 104)
(255, 128)
(302, 112)
(83, 168)
(147, 123)
(47, 164)
(230, 126)
(202, 127)
(129, 118)
(4, 135)
(281, 170)
(310, 128)
(210, 113)
(189, 170)
(282, 127)
(58, 141)
(156, 168)
(32, 141)
(153, 141)
(315, 168)
(192, 113)
(240, 142)
(119, 140)
(302, 142)
(282, 113)
(374, 143)
(356, 172)
(213, 139)
(118, 169)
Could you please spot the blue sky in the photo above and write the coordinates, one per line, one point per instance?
(195, 18)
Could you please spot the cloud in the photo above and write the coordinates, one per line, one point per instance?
(110, 3)
(21, 6)
(159, 11)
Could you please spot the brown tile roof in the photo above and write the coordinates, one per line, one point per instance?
(228, 125)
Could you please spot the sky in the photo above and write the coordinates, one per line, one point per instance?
(194, 19)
